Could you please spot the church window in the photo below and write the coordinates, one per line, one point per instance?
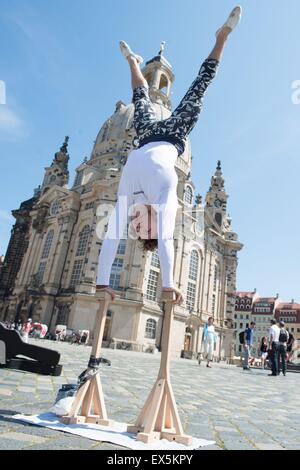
(150, 330)
(194, 265)
(213, 304)
(191, 295)
(163, 84)
(78, 178)
(122, 247)
(63, 315)
(41, 271)
(52, 178)
(114, 280)
(155, 259)
(76, 273)
(152, 285)
(47, 244)
(218, 218)
(55, 208)
(215, 276)
(188, 195)
(83, 241)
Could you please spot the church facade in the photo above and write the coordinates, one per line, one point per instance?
(63, 229)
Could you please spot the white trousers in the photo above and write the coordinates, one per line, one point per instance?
(208, 348)
(148, 177)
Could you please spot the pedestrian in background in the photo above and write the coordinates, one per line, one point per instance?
(274, 347)
(283, 340)
(264, 351)
(248, 342)
(209, 339)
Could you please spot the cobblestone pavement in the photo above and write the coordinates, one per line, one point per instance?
(235, 408)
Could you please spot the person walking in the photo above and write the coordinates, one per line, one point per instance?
(290, 344)
(274, 347)
(209, 340)
(149, 180)
(264, 351)
(248, 342)
(283, 341)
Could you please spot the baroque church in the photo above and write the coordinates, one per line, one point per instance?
(49, 270)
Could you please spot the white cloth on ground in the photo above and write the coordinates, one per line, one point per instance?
(116, 434)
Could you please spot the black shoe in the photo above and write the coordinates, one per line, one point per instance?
(272, 375)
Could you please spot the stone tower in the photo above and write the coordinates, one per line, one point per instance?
(57, 174)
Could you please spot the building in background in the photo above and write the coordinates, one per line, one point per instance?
(52, 278)
(242, 315)
(289, 312)
(263, 312)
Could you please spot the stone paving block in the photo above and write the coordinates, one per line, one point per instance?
(21, 437)
(263, 446)
(5, 392)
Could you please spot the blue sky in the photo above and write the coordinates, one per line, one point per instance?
(64, 73)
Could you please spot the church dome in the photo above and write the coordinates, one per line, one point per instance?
(117, 134)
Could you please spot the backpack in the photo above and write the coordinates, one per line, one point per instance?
(242, 337)
(283, 337)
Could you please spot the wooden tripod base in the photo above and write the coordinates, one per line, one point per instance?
(159, 418)
(89, 406)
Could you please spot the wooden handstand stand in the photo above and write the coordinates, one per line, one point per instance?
(159, 418)
(89, 406)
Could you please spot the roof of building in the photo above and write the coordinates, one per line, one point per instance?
(288, 306)
(266, 299)
(244, 294)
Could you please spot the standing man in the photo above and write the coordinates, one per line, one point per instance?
(283, 340)
(248, 341)
(274, 333)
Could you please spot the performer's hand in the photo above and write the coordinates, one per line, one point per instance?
(179, 297)
(100, 288)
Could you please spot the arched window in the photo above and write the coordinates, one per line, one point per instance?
(47, 244)
(188, 195)
(163, 84)
(83, 241)
(150, 330)
(52, 179)
(55, 207)
(194, 265)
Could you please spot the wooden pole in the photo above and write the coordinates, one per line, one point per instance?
(89, 405)
(159, 418)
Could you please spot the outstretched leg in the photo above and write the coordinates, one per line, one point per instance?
(185, 116)
(144, 111)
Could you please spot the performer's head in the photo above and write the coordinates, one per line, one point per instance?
(144, 223)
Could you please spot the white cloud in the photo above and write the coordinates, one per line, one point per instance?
(9, 120)
(5, 216)
(11, 124)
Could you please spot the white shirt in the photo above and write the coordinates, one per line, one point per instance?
(211, 330)
(148, 177)
(274, 333)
